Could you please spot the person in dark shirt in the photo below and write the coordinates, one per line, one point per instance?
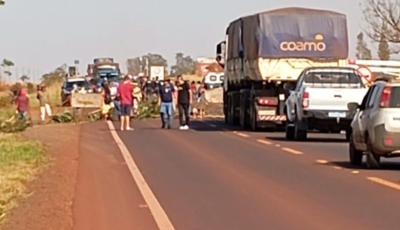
(184, 101)
(165, 101)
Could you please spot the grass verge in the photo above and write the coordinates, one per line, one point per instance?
(20, 161)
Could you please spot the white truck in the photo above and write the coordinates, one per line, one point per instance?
(319, 101)
(264, 51)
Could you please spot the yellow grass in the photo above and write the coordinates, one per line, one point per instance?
(20, 161)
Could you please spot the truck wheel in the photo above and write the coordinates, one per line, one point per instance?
(348, 134)
(299, 134)
(289, 132)
(254, 126)
(373, 160)
(354, 154)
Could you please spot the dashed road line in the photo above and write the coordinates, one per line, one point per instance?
(323, 162)
(292, 151)
(384, 182)
(264, 142)
(155, 207)
(213, 125)
(355, 172)
(242, 134)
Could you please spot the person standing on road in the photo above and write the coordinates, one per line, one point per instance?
(125, 93)
(44, 103)
(166, 103)
(184, 101)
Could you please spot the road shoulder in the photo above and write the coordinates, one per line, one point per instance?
(49, 205)
(106, 194)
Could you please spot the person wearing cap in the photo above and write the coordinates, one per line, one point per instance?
(125, 94)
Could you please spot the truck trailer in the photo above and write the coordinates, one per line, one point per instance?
(263, 55)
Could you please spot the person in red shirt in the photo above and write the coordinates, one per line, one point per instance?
(125, 94)
(22, 103)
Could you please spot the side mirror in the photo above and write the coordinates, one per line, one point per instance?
(288, 86)
(353, 106)
(220, 53)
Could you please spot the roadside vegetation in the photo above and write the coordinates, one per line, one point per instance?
(20, 161)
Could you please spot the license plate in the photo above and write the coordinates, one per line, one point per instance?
(267, 113)
(337, 114)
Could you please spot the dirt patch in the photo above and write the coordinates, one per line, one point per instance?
(50, 204)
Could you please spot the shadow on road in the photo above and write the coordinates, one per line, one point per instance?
(385, 166)
(312, 140)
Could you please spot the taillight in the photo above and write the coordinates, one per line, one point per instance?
(385, 97)
(305, 102)
(267, 101)
(389, 141)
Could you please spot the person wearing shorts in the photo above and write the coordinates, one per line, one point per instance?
(125, 93)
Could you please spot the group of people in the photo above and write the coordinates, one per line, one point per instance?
(189, 99)
(23, 106)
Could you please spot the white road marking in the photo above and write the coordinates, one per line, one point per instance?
(242, 134)
(264, 142)
(322, 162)
(158, 212)
(292, 151)
(384, 182)
(213, 125)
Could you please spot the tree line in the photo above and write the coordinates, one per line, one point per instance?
(184, 64)
(382, 27)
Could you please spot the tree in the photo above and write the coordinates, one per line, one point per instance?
(363, 52)
(138, 65)
(184, 65)
(383, 12)
(384, 51)
(56, 76)
(24, 78)
(2, 2)
(6, 64)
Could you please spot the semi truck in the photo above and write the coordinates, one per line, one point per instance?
(104, 68)
(263, 55)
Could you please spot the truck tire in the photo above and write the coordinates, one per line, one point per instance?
(253, 117)
(299, 134)
(289, 131)
(244, 124)
(354, 154)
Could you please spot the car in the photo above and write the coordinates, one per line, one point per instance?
(319, 101)
(68, 86)
(376, 125)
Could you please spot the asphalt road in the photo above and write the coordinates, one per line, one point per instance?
(213, 177)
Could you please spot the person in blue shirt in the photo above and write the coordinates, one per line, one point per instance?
(166, 92)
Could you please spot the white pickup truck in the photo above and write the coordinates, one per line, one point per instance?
(319, 101)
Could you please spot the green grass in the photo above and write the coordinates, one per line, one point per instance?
(20, 161)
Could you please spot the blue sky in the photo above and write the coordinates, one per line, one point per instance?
(43, 34)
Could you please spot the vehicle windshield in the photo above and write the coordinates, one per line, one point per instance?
(333, 80)
(395, 98)
(108, 73)
(70, 84)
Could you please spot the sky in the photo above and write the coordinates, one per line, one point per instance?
(43, 34)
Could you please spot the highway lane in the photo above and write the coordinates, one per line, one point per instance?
(210, 178)
(330, 150)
